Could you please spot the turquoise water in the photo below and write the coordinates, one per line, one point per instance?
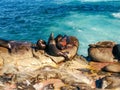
(89, 20)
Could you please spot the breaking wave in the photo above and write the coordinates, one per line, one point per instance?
(116, 15)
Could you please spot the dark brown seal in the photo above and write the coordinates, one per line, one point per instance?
(41, 45)
(4, 43)
(17, 46)
(14, 46)
(53, 50)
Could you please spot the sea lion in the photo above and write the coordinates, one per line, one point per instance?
(5, 43)
(53, 50)
(72, 41)
(14, 46)
(17, 46)
(41, 44)
(58, 40)
(65, 42)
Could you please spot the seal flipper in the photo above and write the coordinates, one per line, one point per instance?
(65, 55)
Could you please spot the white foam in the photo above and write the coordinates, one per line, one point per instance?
(96, 0)
(117, 15)
(79, 30)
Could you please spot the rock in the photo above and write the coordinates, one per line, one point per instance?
(111, 82)
(77, 62)
(115, 67)
(98, 65)
(23, 61)
(101, 51)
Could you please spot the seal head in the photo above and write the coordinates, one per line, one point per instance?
(41, 44)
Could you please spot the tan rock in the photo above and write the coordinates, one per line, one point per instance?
(111, 82)
(115, 67)
(101, 51)
(23, 61)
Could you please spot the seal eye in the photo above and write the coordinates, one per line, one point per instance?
(41, 44)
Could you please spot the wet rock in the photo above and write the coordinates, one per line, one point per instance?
(101, 51)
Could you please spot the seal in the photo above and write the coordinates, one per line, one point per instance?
(5, 44)
(17, 46)
(14, 46)
(65, 42)
(58, 40)
(53, 50)
(41, 44)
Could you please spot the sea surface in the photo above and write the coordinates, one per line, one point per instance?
(89, 20)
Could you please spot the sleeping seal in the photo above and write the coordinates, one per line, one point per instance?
(14, 46)
(53, 50)
(5, 44)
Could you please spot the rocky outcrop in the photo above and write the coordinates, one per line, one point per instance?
(28, 67)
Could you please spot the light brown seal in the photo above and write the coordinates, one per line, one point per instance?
(65, 42)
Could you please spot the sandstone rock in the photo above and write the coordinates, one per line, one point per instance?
(101, 51)
(98, 65)
(111, 82)
(23, 61)
(115, 67)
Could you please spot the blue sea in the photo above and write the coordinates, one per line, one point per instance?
(89, 20)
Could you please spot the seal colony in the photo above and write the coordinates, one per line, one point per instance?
(55, 65)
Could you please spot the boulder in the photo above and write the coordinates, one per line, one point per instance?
(101, 51)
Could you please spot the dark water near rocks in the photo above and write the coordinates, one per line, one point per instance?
(89, 20)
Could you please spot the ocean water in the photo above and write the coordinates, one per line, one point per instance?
(89, 20)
